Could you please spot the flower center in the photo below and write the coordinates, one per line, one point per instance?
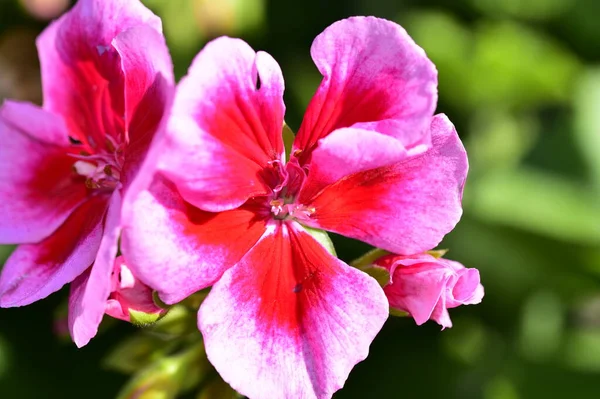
(288, 180)
(102, 171)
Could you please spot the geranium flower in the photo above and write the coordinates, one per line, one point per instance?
(426, 286)
(285, 318)
(64, 168)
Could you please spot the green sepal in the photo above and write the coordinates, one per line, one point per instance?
(369, 258)
(381, 274)
(142, 319)
(288, 140)
(437, 253)
(398, 313)
(158, 302)
(323, 238)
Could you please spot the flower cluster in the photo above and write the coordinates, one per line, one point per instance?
(196, 183)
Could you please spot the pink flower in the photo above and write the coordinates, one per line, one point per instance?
(285, 318)
(426, 287)
(64, 168)
(129, 295)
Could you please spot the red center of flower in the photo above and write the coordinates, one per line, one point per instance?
(101, 170)
(287, 181)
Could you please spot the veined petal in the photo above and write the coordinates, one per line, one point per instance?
(375, 78)
(183, 249)
(404, 208)
(349, 150)
(226, 126)
(289, 320)
(149, 90)
(89, 293)
(35, 271)
(82, 78)
(37, 188)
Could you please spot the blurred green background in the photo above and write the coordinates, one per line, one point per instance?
(521, 81)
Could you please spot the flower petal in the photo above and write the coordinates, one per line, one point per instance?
(467, 290)
(418, 290)
(89, 293)
(149, 89)
(226, 125)
(375, 78)
(82, 78)
(349, 150)
(37, 189)
(404, 208)
(35, 271)
(426, 286)
(290, 320)
(183, 249)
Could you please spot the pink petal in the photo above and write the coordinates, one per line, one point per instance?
(89, 293)
(349, 150)
(35, 271)
(37, 188)
(418, 290)
(289, 320)
(440, 314)
(81, 73)
(375, 78)
(225, 129)
(466, 290)
(149, 88)
(426, 287)
(128, 293)
(404, 208)
(184, 249)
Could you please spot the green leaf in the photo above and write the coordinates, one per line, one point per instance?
(323, 238)
(587, 121)
(536, 201)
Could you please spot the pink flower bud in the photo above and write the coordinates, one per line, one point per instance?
(129, 297)
(426, 286)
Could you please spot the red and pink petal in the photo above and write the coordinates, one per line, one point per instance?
(89, 293)
(404, 208)
(374, 78)
(183, 249)
(290, 320)
(35, 271)
(149, 89)
(82, 79)
(226, 126)
(38, 189)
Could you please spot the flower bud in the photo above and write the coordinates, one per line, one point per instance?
(130, 299)
(427, 286)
